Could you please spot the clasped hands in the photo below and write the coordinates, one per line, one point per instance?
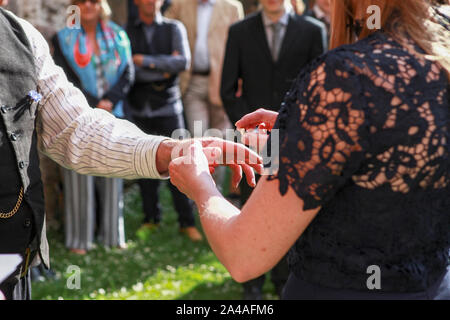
(193, 161)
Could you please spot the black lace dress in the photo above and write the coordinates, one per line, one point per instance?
(364, 133)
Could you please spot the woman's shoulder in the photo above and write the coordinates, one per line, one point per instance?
(349, 59)
(361, 52)
(364, 59)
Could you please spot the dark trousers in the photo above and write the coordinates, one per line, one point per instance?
(149, 188)
(278, 275)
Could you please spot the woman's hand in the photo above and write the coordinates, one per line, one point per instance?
(254, 128)
(261, 118)
(191, 173)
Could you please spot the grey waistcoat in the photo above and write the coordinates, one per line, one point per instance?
(18, 137)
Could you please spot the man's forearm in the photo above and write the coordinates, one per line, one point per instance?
(147, 75)
(166, 63)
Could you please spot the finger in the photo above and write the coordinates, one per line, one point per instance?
(249, 175)
(195, 153)
(234, 153)
(195, 148)
(242, 155)
(236, 175)
(256, 141)
(251, 120)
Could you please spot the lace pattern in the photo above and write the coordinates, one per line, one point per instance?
(366, 115)
(364, 135)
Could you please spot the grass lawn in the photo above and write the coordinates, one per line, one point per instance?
(163, 265)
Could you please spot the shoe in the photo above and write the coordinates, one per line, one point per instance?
(192, 233)
(80, 252)
(122, 246)
(47, 273)
(36, 275)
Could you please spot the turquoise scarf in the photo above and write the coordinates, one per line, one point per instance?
(115, 54)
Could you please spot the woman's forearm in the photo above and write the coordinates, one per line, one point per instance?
(218, 219)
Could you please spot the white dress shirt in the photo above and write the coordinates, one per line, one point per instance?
(89, 141)
(320, 14)
(201, 53)
(284, 20)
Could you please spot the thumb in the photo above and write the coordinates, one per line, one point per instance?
(194, 148)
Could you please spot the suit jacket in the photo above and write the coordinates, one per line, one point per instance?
(248, 57)
(224, 14)
(312, 14)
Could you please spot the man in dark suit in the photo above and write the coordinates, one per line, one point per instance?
(160, 52)
(264, 55)
(321, 10)
(248, 56)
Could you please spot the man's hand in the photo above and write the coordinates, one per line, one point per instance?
(190, 173)
(138, 59)
(218, 152)
(105, 104)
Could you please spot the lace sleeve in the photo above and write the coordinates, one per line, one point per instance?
(322, 128)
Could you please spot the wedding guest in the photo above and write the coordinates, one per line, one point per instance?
(265, 52)
(160, 52)
(133, 13)
(298, 6)
(207, 23)
(321, 10)
(363, 180)
(97, 60)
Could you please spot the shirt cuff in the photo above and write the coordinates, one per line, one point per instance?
(145, 158)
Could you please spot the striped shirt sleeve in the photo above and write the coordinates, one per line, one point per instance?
(78, 137)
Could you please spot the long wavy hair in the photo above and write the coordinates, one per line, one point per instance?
(402, 19)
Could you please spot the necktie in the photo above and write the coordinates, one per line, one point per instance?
(276, 40)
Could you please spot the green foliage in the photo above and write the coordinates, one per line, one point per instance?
(162, 265)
